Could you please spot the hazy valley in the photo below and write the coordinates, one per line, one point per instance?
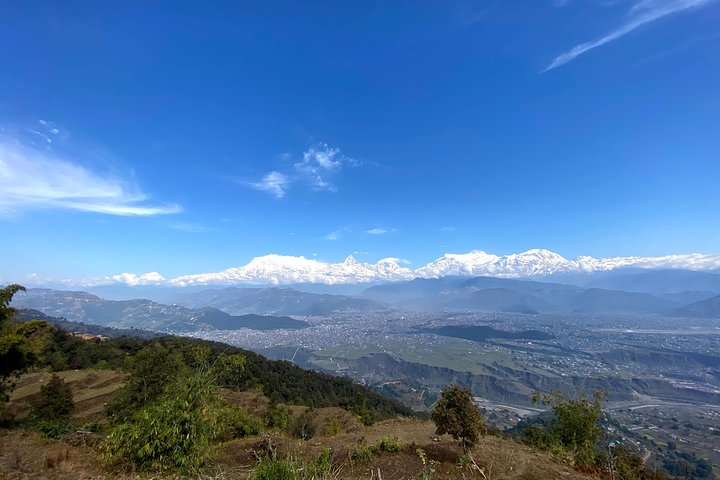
(653, 347)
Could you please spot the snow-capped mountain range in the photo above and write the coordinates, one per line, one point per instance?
(276, 269)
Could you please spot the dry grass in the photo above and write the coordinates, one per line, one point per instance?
(496, 458)
(91, 389)
(25, 455)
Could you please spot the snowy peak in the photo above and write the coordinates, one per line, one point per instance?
(283, 270)
(540, 262)
(274, 269)
(350, 260)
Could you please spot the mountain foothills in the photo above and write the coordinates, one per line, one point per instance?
(185, 408)
(664, 292)
(498, 339)
(145, 314)
(276, 269)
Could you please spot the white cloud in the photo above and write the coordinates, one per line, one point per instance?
(318, 165)
(275, 183)
(376, 231)
(131, 279)
(320, 162)
(641, 13)
(322, 157)
(33, 178)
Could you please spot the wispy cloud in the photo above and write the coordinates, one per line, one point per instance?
(316, 169)
(38, 178)
(337, 234)
(641, 13)
(275, 183)
(376, 231)
(319, 163)
(189, 227)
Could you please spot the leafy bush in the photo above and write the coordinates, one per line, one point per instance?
(171, 434)
(304, 427)
(363, 454)
(428, 465)
(389, 445)
(241, 423)
(271, 469)
(457, 414)
(536, 436)
(288, 469)
(14, 354)
(52, 409)
(278, 417)
(151, 370)
(55, 400)
(364, 414)
(575, 426)
(322, 467)
(333, 428)
(92, 426)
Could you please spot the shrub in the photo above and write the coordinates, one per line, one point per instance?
(333, 428)
(288, 469)
(151, 370)
(278, 417)
(456, 413)
(304, 428)
(364, 414)
(321, 467)
(241, 423)
(52, 409)
(272, 469)
(171, 434)
(363, 454)
(575, 426)
(389, 445)
(428, 465)
(55, 401)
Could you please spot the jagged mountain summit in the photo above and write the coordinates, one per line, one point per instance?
(277, 269)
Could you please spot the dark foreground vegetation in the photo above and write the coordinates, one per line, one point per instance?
(179, 408)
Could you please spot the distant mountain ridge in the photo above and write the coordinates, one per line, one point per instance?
(277, 269)
(709, 308)
(660, 282)
(268, 308)
(140, 313)
(272, 301)
(510, 295)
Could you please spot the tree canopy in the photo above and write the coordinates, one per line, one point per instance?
(457, 414)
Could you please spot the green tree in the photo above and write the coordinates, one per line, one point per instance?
(6, 296)
(173, 433)
(15, 355)
(151, 370)
(576, 423)
(55, 400)
(457, 414)
(52, 408)
(278, 417)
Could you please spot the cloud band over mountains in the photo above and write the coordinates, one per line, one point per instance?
(276, 269)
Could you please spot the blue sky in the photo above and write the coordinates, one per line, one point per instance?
(182, 137)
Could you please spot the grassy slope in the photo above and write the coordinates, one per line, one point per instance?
(26, 455)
